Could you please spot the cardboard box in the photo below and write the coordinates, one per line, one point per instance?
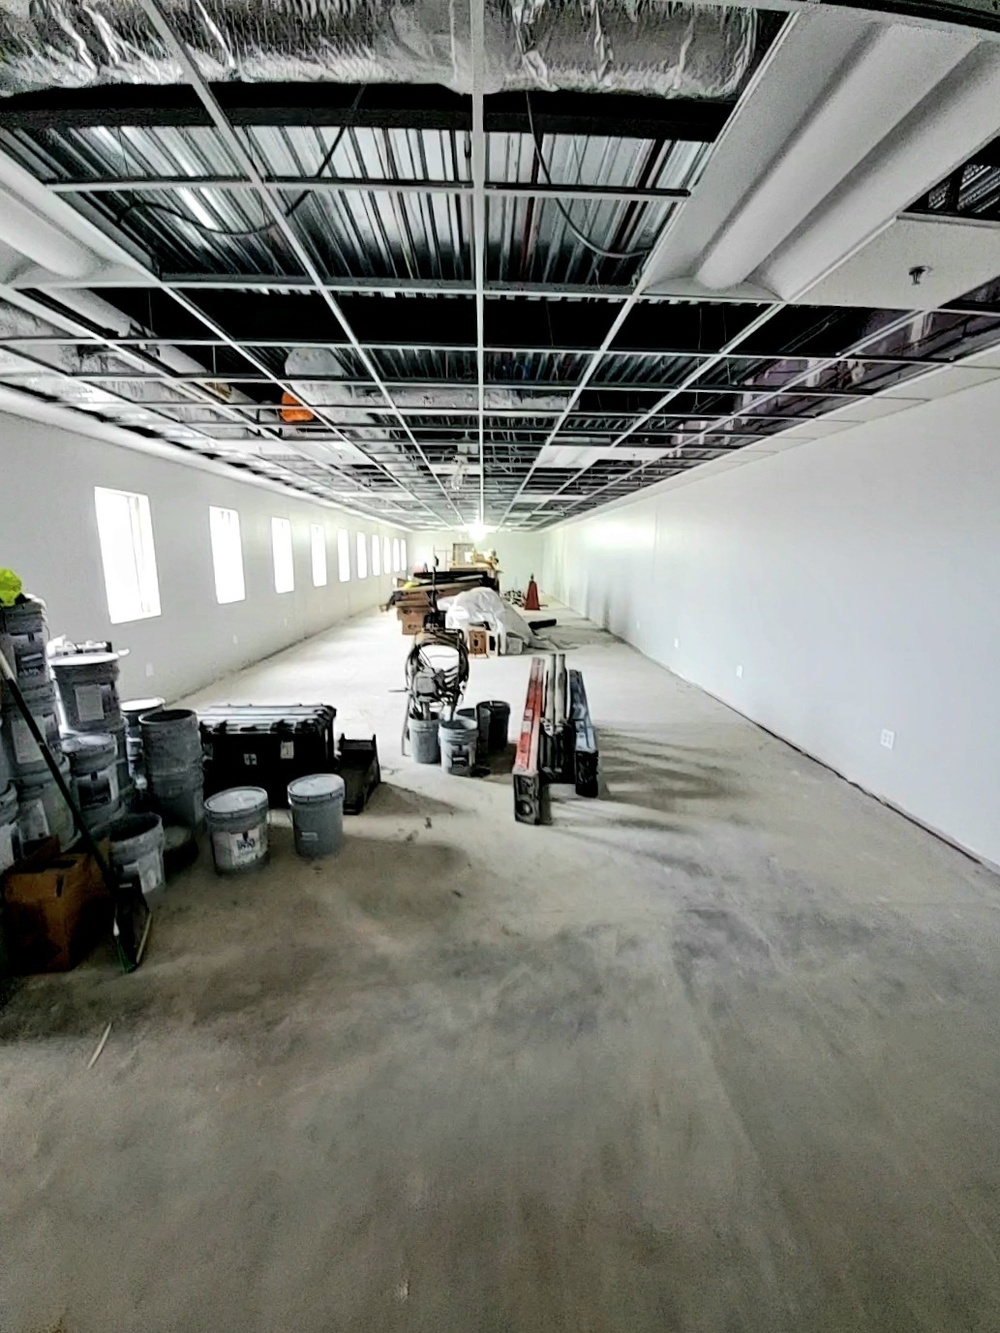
(411, 622)
(56, 908)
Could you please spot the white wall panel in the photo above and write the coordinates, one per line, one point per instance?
(48, 534)
(855, 580)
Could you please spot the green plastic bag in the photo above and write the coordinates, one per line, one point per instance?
(11, 587)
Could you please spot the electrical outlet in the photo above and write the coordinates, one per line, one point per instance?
(677, 643)
(149, 670)
(236, 638)
(739, 672)
(888, 738)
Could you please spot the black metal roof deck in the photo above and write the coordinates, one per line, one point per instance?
(321, 243)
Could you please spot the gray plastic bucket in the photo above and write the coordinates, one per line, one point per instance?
(24, 635)
(43, 812)
(482, 727)
(171, 741)
(10, 834)
(25, 756)
(93, 764)
(424, 745)
(88, 690)
(133, 710)
(317, 806)
(178, 798)
(457, 738)
(137, 849)
(499, 724)
(237, 828)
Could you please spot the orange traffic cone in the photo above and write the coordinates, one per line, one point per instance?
(531, 602)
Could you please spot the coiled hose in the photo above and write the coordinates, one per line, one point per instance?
(439, 659)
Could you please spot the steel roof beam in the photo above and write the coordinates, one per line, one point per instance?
(338, 184)
(384, 106)
(537, 386)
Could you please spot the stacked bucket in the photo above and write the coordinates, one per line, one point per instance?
(93, 733)
(31, 805)
(172, 758)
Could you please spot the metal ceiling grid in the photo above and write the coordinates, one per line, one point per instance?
(471, 271)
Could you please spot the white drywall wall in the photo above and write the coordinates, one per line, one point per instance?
(520, 553)
(856, 581)
(48, 534)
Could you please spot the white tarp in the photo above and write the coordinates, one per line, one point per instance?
(482, 606)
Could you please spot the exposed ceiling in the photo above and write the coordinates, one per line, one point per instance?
(508, 303)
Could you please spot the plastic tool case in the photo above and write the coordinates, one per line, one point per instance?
(266, 745)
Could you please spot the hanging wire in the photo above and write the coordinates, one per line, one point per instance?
(581, 236)
(167, 210)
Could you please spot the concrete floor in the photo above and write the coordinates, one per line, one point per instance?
(719, 1052)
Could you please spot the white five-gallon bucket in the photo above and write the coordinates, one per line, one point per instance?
(237, 829)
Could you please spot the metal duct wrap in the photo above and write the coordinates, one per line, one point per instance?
(635, 46)
(65, 361)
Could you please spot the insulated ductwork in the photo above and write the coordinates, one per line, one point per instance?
(635, 46)
(65, 363)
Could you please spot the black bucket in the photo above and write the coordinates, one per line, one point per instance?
(499, 724)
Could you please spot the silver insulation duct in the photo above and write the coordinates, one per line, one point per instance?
(64, 362)
(632, 46)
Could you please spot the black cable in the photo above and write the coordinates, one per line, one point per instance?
(580, 235)
(152, 206)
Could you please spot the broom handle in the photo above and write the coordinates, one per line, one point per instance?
(88, 838)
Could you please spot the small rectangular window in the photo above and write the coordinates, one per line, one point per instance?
(386, 556)
(317, 535)
(362, 557)
(376, 557)
(402, 554)
(395, 555)
(125, 530)
(227, 555)
(343, 556)
(281, 554)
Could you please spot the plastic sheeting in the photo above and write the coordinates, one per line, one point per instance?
(634, 46)
(482, 606)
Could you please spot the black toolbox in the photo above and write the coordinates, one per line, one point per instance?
(266, 745)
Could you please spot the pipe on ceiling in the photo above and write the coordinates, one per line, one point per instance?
(886, 74)
(25, 230)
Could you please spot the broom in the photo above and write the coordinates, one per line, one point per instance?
(132, 918)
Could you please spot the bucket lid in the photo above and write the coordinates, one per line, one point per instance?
(73, 660)
(89, 747)
(136, 707)
(459, 723)
(316, 787)
(237, 801)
